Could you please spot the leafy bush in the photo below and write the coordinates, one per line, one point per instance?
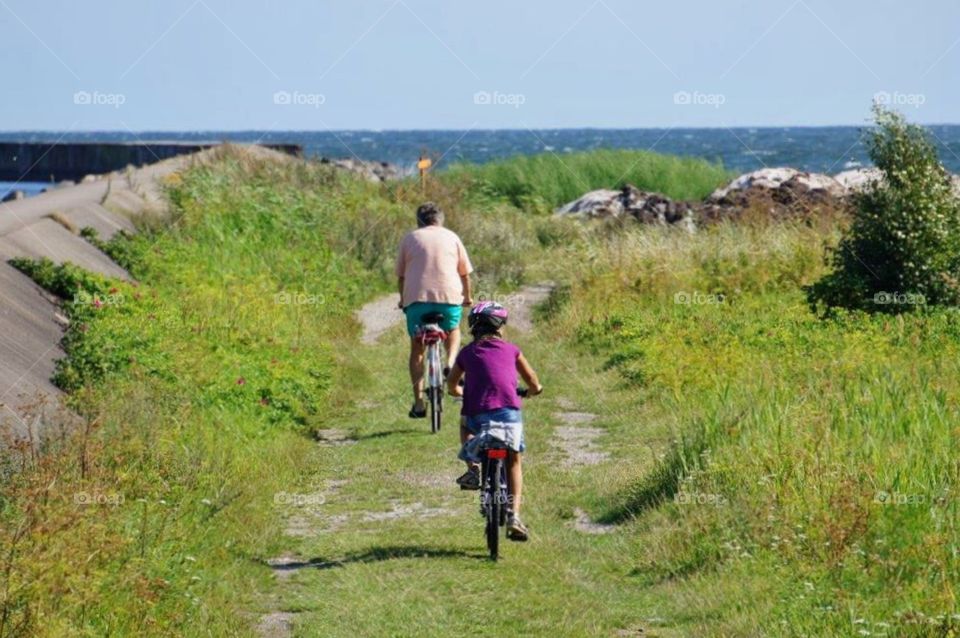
(902, 250)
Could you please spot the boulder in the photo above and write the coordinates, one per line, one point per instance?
(599, 203)
(774, 179)
(649, 208)
(857, 179)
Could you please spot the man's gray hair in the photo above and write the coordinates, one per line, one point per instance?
(429, 214)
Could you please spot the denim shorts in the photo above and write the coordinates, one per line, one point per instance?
(475, 423)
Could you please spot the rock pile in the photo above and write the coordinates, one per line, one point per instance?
(650, 208)
(774, 192)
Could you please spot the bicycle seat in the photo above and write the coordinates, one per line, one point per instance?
(432, 317)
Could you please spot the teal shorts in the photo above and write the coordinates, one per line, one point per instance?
(415, 312)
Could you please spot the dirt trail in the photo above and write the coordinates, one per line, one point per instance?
(427, 498)
(380, 315)
(377, 317)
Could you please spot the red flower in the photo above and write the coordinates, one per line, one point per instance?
(264, 401)
(113, 291)
(241, 381)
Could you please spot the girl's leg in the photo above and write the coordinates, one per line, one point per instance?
(465, 435)
(514, 480)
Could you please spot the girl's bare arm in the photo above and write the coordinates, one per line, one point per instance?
(453, 381)
(529, 376)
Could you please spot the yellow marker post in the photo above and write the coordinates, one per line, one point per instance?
(424, 165)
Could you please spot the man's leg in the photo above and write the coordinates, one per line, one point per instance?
(453, 346)
(416, 373)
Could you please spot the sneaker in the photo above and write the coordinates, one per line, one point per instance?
(516, 530)
(470, 480)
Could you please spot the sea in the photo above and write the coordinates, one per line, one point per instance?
(825, 149)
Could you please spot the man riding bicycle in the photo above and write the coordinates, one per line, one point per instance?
(433, 276)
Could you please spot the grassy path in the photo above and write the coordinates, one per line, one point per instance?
(379, 541)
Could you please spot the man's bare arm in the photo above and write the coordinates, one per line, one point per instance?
(400, 288)
(467, 290)
(526, 371)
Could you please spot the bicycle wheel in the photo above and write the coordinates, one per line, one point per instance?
(434, 409)
(435, 384)
(494, 506)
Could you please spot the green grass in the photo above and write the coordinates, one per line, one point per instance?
(201, 382)
(543, 182)
(820, 454)
(770, 473)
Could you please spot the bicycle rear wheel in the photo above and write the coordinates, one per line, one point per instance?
(436, 409)
(494, 506)
(435, 387)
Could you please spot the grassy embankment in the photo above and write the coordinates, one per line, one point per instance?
(771, 473)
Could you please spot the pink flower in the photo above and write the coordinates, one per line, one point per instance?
(97, 303)
(241, 381)
(264, 401)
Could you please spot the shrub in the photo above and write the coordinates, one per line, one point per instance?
(902, 250)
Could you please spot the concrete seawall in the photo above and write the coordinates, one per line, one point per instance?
(48, 225)
(39, 162)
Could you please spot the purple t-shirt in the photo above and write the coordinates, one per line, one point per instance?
(490, 382)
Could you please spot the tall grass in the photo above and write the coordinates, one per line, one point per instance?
(545, 181)
(821, 454)
(198, 384)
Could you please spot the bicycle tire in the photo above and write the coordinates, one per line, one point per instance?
(435, 409)
(493, 507)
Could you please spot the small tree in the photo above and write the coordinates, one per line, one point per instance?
(902, 249)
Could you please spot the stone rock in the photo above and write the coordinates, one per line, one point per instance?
(371, 171)
(598, 203)
(856, 180)
(648, 208)
(778, 178)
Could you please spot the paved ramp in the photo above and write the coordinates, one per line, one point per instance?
(48, 225)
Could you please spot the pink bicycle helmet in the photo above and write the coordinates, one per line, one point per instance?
(489, 313)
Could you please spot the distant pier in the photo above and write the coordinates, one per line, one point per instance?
(40, 162)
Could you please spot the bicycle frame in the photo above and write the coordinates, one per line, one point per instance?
(431, 336)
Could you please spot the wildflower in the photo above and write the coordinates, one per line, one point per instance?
(241, 381)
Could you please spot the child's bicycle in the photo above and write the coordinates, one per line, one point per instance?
(494, 496)
(431, 335)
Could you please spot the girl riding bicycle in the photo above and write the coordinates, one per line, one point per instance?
(489, 366)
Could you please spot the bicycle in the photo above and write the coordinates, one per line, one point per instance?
(431, 335)
(494, 495)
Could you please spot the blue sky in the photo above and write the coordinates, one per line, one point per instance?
(402, 64)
